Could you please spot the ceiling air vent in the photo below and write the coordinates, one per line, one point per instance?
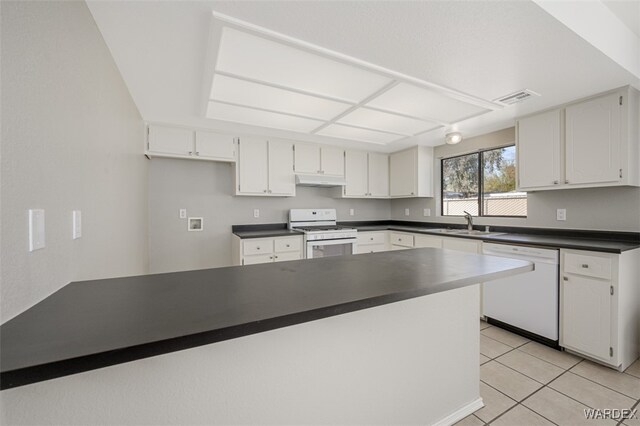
(516, 97)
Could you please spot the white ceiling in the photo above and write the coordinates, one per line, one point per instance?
(484, 49)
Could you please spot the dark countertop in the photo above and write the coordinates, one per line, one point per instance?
(93, 324)
(601, 241)
(264, 231)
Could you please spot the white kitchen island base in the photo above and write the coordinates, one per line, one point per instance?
(408, 362)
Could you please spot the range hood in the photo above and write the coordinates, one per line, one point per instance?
(320, 180)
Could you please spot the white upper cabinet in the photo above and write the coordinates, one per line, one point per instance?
(410, 173)
(319, 159)
(587, 144)
(366, 175)
(378, 175)
(215, 146)
(307, 159)
(538, 148)
(332, 161)
(265, 168)
(593, 132)
(356, 174)
(281, 177)
(183, 142)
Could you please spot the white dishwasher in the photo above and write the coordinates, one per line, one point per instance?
(529, 301)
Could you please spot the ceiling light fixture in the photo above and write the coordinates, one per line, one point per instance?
(453, 138)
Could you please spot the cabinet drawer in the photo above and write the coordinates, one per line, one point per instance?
(283, 257)
(370, 248)
(257, 258)
(258, 246)
(371, 238)
(428, 241)
(589, 266)
(401, 239)
(288, 244)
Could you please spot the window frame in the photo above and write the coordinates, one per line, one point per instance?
(480, 153)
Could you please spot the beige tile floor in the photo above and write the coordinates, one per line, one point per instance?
(524, 383)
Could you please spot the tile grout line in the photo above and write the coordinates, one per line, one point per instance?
(601, 384)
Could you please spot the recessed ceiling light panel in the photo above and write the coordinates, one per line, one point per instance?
(256, 95)
(247, 55)
(426, 104)
(372, 119)
(357, 134)
(254, 117)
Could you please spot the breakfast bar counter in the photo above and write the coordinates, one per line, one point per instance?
(302, 321)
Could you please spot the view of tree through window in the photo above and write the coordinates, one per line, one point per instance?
(482, 183)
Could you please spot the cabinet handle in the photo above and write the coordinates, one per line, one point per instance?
(566, 181)
(276, 257)
(319, 171)
(555, 182)
(257, 248)
(288, 245)
(197, 153)
(584, 265)
(190, 152)
(270, 257)
(412, 193)
(565, 278)
(371, 238)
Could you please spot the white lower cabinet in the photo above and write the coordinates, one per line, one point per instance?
(600, 305)
(372, 242)
(252, 251)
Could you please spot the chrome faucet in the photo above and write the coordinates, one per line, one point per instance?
(469, 218)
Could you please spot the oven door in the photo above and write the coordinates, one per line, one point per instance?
(326, 248)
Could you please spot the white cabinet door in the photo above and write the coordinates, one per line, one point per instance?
(356, 174)
(538, 150)
(282, 180)
(586, 318)
(253, 161)
(215, 145)
(257, 258)
(283, 257)
(170, 140)
(378, 175)
(469, 246)
(421, 241)
(307, 158)
(332, 161)
(403, 173)
(593, 141)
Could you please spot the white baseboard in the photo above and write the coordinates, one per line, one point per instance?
(461, 413)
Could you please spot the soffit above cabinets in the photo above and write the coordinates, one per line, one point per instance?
(270, 80)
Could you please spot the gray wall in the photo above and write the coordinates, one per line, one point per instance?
(71, 139)
(205, 190)
(616, 208)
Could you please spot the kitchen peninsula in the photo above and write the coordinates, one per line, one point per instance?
(375, 338)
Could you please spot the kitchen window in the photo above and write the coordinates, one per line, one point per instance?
(482, 183)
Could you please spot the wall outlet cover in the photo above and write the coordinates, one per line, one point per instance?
(256, 213)
(352, 212)
(406, 212)
(77, 224)
(36, 229)
(561, 214)
(183, 213)
(426, 212)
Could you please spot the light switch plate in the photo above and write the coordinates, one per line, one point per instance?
(561, 214)
(352, 212)
(256, 213)
(36, 229)
(406, 212)
(77, 224)
(183, 213)
(426, 212)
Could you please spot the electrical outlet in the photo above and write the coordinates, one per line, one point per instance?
(36, 229)
(561, 214)
(256, 213)
(406, 212)
(77, 224)
(183, 213)
(426, 212)
(352, 212)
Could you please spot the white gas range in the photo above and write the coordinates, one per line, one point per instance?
(322, 236)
